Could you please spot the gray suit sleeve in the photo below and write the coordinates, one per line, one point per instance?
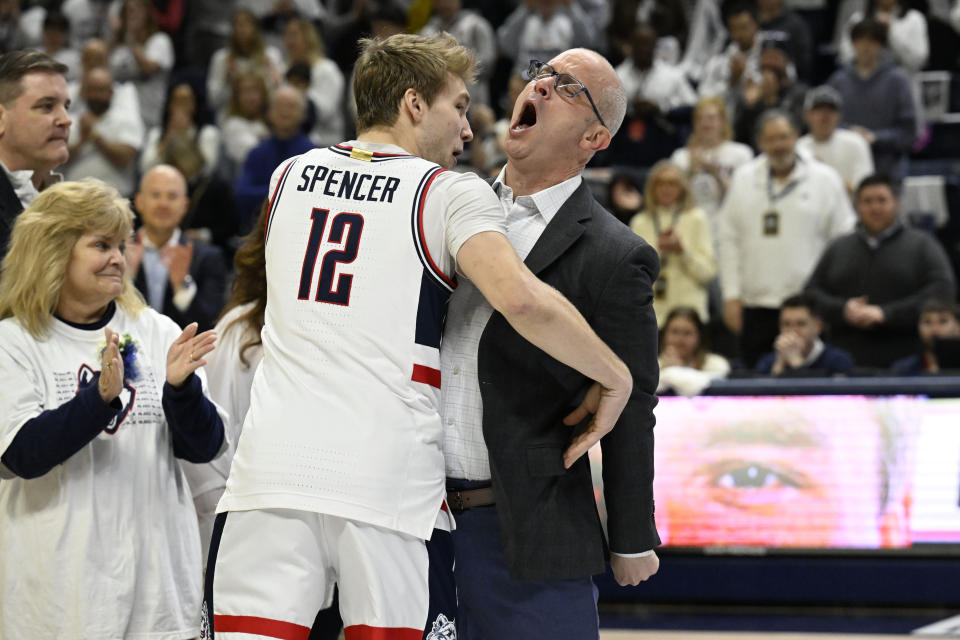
(626, 322)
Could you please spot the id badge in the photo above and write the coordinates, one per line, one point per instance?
(771, 223)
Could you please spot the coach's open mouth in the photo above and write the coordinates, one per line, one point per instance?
(528, 117)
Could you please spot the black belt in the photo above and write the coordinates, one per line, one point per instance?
(470, 498)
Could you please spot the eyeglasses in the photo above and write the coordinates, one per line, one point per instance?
(565, 84)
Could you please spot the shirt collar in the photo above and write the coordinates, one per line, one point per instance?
(546, 202)
(172, 242)
(815, 352)
(22, 183)
(799, 171)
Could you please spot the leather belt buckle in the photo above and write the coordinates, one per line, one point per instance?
(455, 500)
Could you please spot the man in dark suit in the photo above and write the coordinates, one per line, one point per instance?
(528, 536)
(34, 128)
(182, 279)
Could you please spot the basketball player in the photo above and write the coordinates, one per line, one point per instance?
(339, 474)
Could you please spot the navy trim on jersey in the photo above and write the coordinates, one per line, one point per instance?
(273, 199)
(431, 311)
(419, 241)
(344, 150)
(92, 326)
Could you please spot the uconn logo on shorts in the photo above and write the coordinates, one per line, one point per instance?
(442, 629)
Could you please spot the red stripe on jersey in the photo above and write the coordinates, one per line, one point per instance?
(276, 190)
(426, 375)
(423, 236)
(363, 632)
(260, 626)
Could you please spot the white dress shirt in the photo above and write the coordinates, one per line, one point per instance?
(464, 449)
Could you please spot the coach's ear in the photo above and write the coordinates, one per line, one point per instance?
(413, 105)
(3, 120)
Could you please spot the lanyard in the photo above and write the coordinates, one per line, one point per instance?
(656, 219)
(771, 198)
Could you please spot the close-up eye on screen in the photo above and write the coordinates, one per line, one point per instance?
(814, 473)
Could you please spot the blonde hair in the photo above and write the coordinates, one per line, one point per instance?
(310, 37)
(649, 202)
(718, 103)
(233, 105)
(42, 241)
(387, 68)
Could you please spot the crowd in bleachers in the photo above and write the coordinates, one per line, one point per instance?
(223, 90)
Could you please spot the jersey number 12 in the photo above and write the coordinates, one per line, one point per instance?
(327, 290)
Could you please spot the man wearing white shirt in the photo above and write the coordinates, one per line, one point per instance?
(108, 135)
(780, 213)
(842, 149)
(725, 73)
(528, 537)
(648, 81)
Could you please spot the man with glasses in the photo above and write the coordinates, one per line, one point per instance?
(528, 537)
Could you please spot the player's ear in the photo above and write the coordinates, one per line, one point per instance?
(3, 120)
(412, 103)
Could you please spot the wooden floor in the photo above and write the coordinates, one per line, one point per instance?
(736, 635)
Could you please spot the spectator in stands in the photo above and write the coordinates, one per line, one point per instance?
(938, 319)
(673, 225)
(106, 136)
(142, 55)
(780, 213)
(624, 196)
(472, 31)
(56, 43)
(33, 142)
(791, 30)
(182, 116)
(869, 284)
(541, 29)
(245, 123)
(842, 149)
(726, 72)
(102, 398)
(878, 101)
(12, 36)
(798, 350)
(287, 109)
(325, 90)
(687, 366)
(906, 33)
(185, 280)
(652, 85)
(212, 212)
(710, 156)
(776, 88)
(246, 52)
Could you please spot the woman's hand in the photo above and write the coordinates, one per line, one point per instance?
(186, 353)
(111, 367)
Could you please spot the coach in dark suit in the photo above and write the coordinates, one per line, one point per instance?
(34, 127)
(528, 536)
(182, 279)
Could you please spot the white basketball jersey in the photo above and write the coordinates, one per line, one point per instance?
(361, 242)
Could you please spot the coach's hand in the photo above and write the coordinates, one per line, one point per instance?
(606, 404)
(633, 571)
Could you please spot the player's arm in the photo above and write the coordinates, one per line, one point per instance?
(544, 317)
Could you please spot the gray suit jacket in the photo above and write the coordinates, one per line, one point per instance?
(548, 516)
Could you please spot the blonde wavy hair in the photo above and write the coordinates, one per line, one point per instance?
(42, 242)
(649, 189)
(715, 102)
